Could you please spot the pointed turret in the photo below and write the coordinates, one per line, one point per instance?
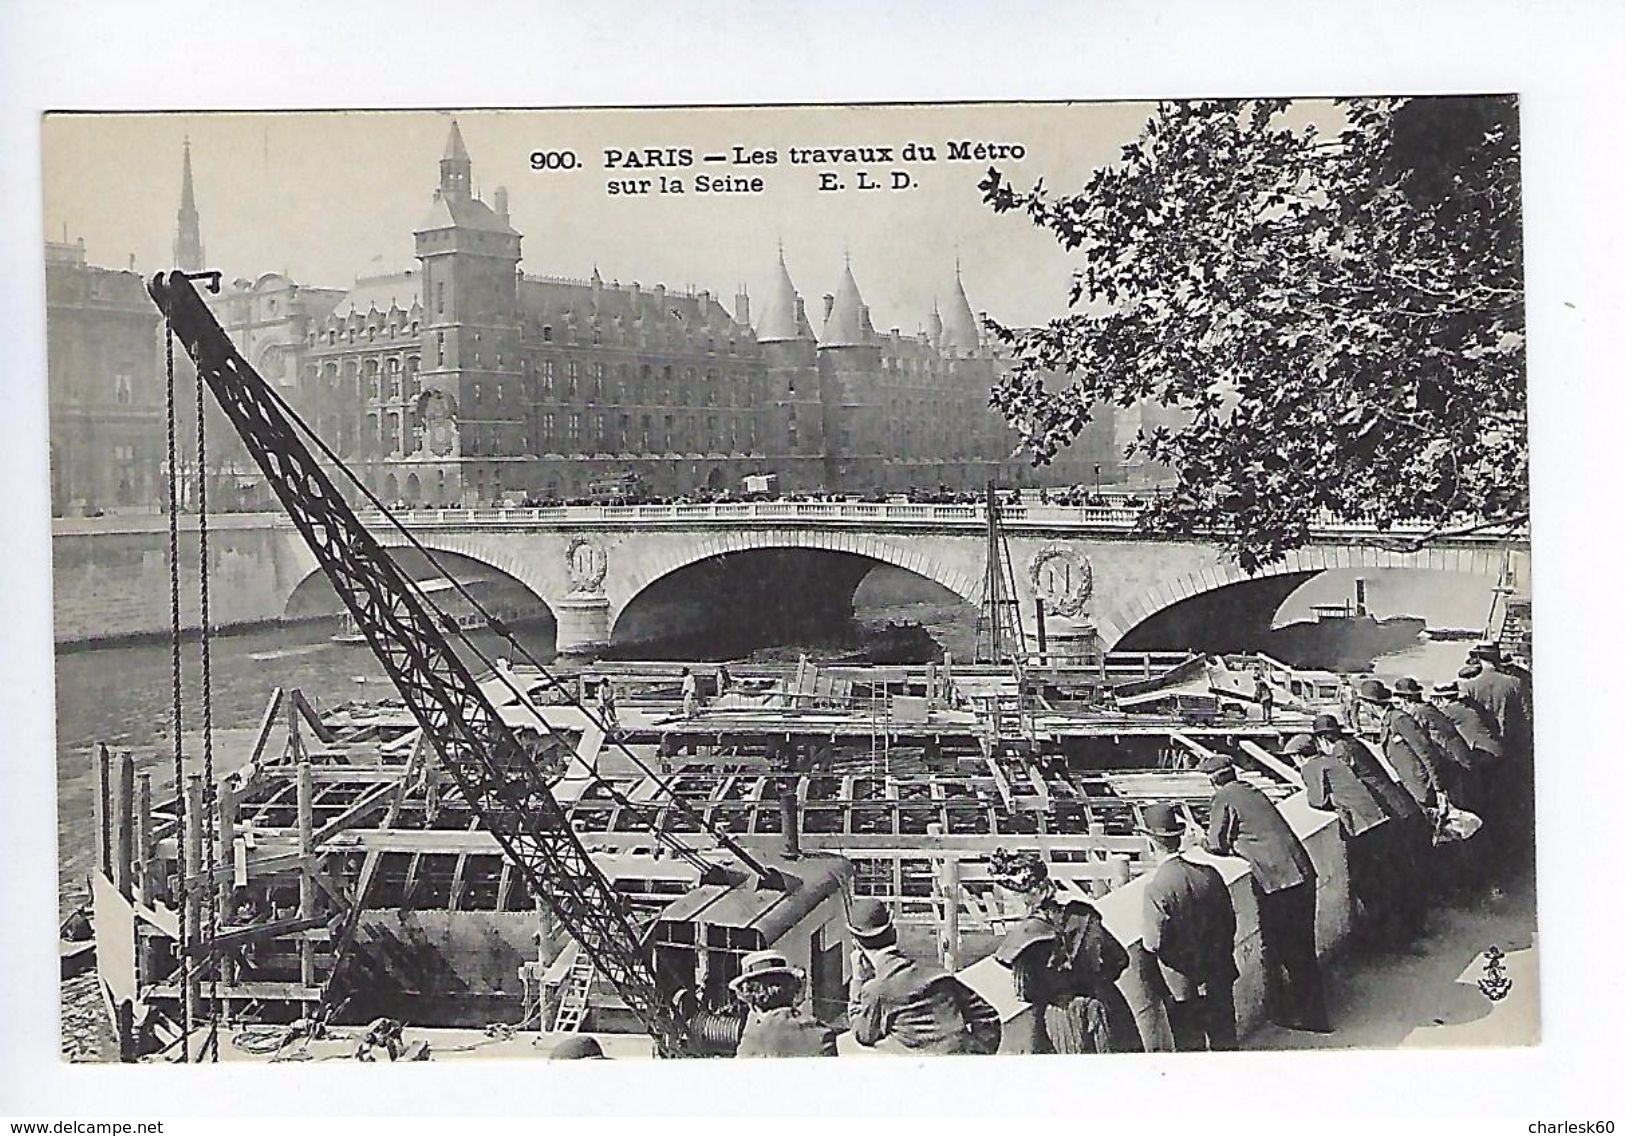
(188, 232)
(934, 327)
(959, 328)
(781, 311)
(456, 170)
(846, 325)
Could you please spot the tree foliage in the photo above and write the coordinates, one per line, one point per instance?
(1334, 314)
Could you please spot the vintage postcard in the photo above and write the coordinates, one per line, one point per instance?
(832, 580)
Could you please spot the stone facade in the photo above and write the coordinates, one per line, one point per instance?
(467, 381)
(107, 436)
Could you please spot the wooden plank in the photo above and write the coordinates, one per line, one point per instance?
(1269, 761)
(263, 991)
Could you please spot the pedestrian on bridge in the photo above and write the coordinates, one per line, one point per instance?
(1246, 824)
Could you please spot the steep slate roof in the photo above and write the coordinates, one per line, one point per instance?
(464, 213)
(400, 289)
(959, 329)
(846, 326)
(781, 318)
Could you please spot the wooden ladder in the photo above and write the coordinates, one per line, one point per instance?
(573, 993)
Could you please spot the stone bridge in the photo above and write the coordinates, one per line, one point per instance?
(620, 573)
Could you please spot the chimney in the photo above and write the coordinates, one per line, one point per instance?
(499, 200)
(829, 305)
(742, 306)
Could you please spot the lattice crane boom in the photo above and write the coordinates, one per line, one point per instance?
(501, 782)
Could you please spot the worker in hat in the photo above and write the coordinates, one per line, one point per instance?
(771, 990)
(1505, 698)
(915, 1006)
(1064, 963)
(1189, 927)
(1441, 731)
(1331, 784)
(1415, 759)
(691, 692)
(1483, 738)
(1246, 824)
(578, 1048)
(1504, 694)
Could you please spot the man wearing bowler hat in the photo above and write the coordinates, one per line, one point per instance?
(1244, 823)
(915, 1005)
(1442, 732)
(771, 988)
(1331, 784)
(1415, 759)
(1190, 929)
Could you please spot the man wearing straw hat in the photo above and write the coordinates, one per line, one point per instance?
(1190, 929)
(918, 1007)
(771, 988)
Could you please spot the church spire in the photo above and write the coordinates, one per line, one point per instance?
(456, 170)
(188, 233)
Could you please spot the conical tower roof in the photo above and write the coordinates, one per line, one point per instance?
(781, 310)
(845, 325)
(455, 150)
(959, 328)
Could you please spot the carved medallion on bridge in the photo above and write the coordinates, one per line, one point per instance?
(586, 561)
(1063, 578)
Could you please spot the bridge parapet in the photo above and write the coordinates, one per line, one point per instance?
(1081, 519)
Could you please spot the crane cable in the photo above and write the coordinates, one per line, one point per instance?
(181, 905)
(211, 790)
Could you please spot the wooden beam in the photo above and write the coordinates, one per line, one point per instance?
(308, 712)
(1269, 761)
(307, 875)
(368, 803)
(267, 722)
(231, 938)
(124, 825)
(263, 991)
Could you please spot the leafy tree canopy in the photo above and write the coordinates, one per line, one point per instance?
(1334, 315)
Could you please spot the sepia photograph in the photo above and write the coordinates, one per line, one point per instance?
(791, 581)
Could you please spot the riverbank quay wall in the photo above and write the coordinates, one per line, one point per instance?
(1097, 575)
(110, 575)
(1123, 910)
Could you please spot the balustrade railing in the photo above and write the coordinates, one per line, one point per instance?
(1115, 517)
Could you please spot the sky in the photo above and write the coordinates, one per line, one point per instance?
(325, 197)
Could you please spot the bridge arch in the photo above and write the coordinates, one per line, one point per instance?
(1116, 621)
(462, 555)
(915, 556)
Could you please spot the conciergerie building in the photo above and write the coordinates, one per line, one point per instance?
(469, 381)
